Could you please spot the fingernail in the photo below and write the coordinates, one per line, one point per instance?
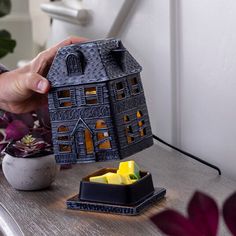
(42, 85)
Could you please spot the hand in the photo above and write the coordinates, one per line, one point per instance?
(24, 89)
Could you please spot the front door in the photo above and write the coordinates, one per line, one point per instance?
(84, 145)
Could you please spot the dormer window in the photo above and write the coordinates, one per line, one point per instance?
(75, 64)
(119, 55)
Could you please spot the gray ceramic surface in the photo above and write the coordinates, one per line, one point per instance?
(30, 173)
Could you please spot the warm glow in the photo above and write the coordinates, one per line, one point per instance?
(62, 128)
(91, 91)
(64, 148)
(130, 139)
(139, 114)
(65, 104)
(100, 124)
(126, 118)
(88, 141)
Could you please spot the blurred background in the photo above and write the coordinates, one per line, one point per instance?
(187, 49)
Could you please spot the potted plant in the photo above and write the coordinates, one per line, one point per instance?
(29, 163)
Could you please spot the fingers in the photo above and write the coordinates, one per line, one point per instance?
(42, 62)
(68, 41)
(33, 82)
(50, 53)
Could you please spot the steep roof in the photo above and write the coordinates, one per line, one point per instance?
(103, 60)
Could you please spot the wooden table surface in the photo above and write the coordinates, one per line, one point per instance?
(44, 212)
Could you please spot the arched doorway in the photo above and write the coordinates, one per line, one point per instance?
(84, 142)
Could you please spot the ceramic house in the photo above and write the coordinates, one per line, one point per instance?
(96, 103)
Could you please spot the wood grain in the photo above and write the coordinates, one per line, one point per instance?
(44, 212)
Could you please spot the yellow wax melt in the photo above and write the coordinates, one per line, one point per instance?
(128, 173)
(98, 179)
(113, 178)
(130, 168)
(126, 179)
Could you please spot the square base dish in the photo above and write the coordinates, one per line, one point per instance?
(115, 194)
(76, 204)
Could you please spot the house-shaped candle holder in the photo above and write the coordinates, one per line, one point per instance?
(97, 105)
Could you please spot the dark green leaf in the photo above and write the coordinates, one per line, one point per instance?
(6, 43)
(5, 7)
(5, 34)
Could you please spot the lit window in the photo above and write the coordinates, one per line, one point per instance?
(100, 124)
(91, 91)
(142, 130)
(139, 114)
(129, 134)
(126, 118)
(129, 129)
(65, 104)
(65, 148)
(102, 135)
(64, 98)
(130, 139)
(91, 95)
(62, 128)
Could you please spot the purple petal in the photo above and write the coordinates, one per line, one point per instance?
(16, 130)
(204, 214)
(26, 118)
(173, 223)
(229, 213)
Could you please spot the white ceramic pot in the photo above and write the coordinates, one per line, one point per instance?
(33, 173)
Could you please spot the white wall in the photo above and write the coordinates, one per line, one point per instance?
(188, 51)
(208, 80)
(146, 33)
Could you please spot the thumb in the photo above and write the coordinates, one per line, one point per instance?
(34, 82)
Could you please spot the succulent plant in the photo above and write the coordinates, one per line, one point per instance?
(28, 134)
(29, 146)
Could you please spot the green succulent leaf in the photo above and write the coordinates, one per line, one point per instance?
(7, 44)
(5, 7)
